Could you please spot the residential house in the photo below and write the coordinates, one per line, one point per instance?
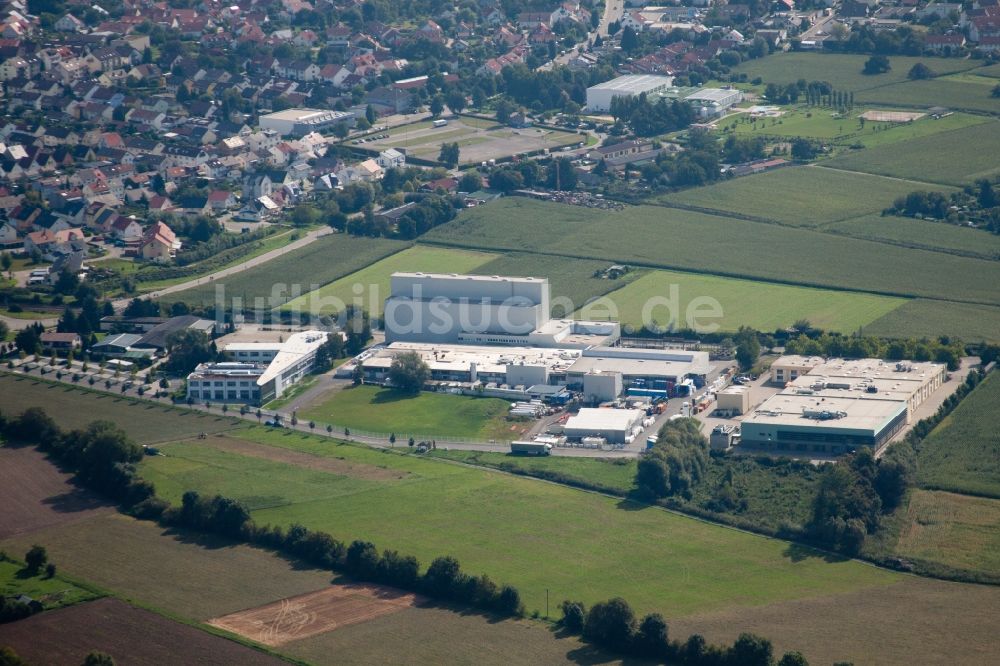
(60, 342)
(159, 243)
(391, 158)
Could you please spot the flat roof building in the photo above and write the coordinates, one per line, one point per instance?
(841, 405)
(299, 122)
(599, 97)
(260, 371)
(711, 102)
(615, 425)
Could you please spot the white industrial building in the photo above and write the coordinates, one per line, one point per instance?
(841, 405)
(483, 310)
(599, 97)
(259, 372)
(614, 425)
(712, 102)
(299, 122)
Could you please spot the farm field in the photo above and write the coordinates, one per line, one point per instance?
(962, 453)
(918, 621)
(799, 196)
(923, 234)
(763, 306)
(957, 530)
(952, 158)
(824, 123)
(35, 494)
(68, 635)
(52, 593)
(183, 574)
(656, 236)
(75, 407)
(843, 71)
(921, 317)
(965, 93)
(431, 635)
(375, 409)
(571, 279)
(490, 522)
(374, 279)
(322, 261)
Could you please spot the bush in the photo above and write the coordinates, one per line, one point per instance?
(611, 624)
(574, 615)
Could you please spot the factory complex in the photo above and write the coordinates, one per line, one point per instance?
(492, 335)
(299, 122)
(707, 102)
(258, 372)
(833, 406)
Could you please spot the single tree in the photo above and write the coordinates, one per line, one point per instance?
(35, 558)
(877, 64)
(408, 372)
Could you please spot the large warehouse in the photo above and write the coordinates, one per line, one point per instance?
(841, 405)
(599, 97)
(299, 122)
(483, 310)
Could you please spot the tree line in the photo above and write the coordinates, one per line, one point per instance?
(940, 350)
(977, 204)
(613, 625)
(676, 462)
(104, 457)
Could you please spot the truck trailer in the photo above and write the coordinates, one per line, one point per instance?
(530, 448)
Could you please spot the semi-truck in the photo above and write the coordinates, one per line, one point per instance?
(530, 448)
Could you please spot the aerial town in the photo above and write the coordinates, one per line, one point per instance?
(499, 332)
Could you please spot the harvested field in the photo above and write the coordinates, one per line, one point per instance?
(917, 621)
(317, 463)
(315, 613)
(130, 635)
(184, 574)
(34, 494)
(432, 635)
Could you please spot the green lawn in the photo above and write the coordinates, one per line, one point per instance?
(50, 592)
(293, 274)
(75, 407)
(370, 286)
(763, 306)
(954, 158)
(657, 236)
(800, 196)
(537, 536)
(843, 71)
(923, 318)
(428, 415)
(956, 530)
(962, 454)
(923, 234)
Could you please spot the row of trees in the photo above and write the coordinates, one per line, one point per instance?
(941, 350)
(647, 118)
(677, 462)
(613, 625)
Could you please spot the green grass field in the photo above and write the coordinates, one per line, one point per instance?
(922, 318)
(763, 306)
(322, 261)
(572, 281)
(370, 286)
(953, 158)
(534, 535)
(676, 239)
(52, 593)
(375, 409)
(962, 453)
(800, 196)
(964, 93)
(843, 71)
(956, 530)
(922, 234)
(826, 124)
(74, 407)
